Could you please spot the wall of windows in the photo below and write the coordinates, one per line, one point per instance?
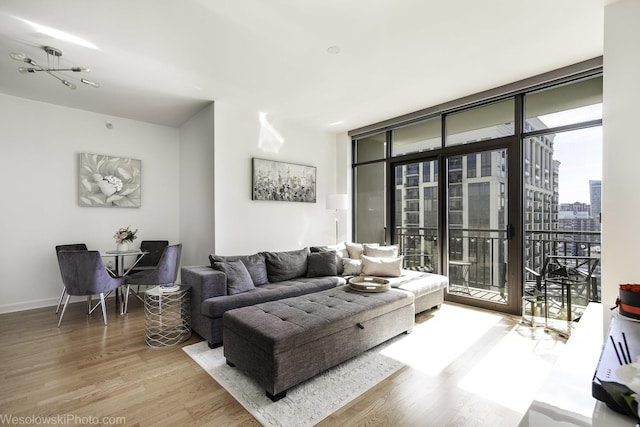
(503, 179)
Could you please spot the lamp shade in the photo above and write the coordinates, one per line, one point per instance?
(337, 201)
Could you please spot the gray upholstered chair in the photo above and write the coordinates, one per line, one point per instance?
(84, 274)
(148, 262)
(69, 247)
(165, 273)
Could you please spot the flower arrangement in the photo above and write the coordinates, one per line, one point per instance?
(628, 399)
(125, 235)
(623, 397)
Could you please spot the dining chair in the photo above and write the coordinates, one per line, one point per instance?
(165, 273)
(84, 274)
(69, 247)
(150, 260)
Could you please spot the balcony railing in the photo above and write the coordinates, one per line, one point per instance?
(484, 250)
(477, 256)
(539, 243)
(419, 246)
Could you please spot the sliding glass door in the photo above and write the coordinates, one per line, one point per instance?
(416, 215)
(477, 199)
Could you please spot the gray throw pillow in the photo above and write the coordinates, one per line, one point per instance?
(283, 266)
(238, 277)
(255, 265)
(321, 264)
(339, 255)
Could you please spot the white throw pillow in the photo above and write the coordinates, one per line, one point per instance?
(383, 267)
(355, 250)
(380, 251)
(341, 250)
(351, 267)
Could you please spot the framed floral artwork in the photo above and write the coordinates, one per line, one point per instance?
(108, 181)
(287, 182)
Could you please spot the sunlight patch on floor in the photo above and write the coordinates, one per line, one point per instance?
(513, 370)
(439, 341)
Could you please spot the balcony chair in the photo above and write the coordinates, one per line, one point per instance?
(165, 273)
(84, 274)
(533, 295)
(70, 247)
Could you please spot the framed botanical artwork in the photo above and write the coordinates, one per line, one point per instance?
(108, 181)
(286, 182)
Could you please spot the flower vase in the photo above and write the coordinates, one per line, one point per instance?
(122, 247)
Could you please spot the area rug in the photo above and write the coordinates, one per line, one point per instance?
(307, 403)
(452, 335)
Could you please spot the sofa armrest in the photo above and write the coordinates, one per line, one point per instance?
(205, 282)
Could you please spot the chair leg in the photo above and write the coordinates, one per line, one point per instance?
(63, 309)
(89, 304)
(104, 308)
(126, 300)
(60, 300)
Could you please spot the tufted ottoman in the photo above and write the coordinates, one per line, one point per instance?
(282, 343)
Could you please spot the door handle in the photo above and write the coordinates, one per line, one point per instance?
(511, 231)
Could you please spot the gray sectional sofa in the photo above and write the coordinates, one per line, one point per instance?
(272, 276)
(232, 282)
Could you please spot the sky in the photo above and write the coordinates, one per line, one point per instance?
(579, 152)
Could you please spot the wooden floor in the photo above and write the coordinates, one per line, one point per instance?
(84, 369)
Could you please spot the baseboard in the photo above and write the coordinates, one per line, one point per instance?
(48, 302)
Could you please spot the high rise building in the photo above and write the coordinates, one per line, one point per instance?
(595, 198)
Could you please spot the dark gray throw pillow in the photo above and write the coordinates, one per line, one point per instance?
(339, 267)
(238, 277)
(321, 264)
(283, 266)
(255, 265)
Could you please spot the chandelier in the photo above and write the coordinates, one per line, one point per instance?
(52, 68)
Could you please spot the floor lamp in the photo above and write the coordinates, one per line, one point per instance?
(337, 202)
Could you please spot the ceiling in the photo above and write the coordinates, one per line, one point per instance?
(161, 61)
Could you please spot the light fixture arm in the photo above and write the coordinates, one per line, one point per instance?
(74, 69)
(63, 81)
(55, 54)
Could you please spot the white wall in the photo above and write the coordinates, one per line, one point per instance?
(245, 226)
(39, 154)
(197, 191)
(194, 191)
(620, 181)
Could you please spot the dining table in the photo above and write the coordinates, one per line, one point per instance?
(119, 268)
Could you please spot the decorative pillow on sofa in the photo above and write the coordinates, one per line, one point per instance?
(384, 267)
(340, 251)
(321, 264)
(238, 277)
(355, 250)
(351, 267)
(254, 263)
(283, 266)
(380, 251)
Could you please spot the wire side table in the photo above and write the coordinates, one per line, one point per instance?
(167, 316)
